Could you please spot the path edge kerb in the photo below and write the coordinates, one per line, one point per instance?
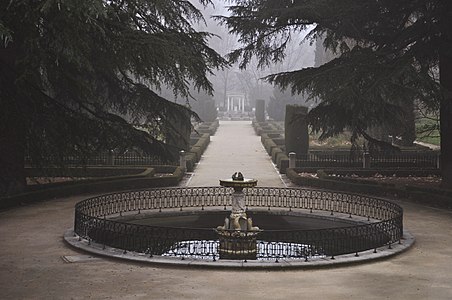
(368, 256)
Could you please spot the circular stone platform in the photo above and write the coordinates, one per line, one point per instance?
(348, 228)
(341, 260)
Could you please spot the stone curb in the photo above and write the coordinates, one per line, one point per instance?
(283, 264)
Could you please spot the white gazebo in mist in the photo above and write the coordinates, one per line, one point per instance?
(236, 102)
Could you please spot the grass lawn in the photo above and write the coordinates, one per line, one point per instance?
(432, 136)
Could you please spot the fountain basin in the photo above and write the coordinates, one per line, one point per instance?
(374, 222)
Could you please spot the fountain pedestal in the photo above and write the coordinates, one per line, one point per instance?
(238, 235)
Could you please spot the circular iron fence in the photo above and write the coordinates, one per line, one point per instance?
(93, 221)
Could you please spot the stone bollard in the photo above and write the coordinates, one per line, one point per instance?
(292, 160)
(438, 161)
(366, 160)
(182, 160)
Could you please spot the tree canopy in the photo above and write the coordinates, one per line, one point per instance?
(80, 76)
(388, 54)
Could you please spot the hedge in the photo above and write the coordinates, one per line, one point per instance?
(194, 155)
(108, 178)
(429, 196)
(145, 179)
(271, 137)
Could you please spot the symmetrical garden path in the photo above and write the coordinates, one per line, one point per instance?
(32, 247)
(235, 147)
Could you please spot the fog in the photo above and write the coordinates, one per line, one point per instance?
(249, 82)
(246, 82)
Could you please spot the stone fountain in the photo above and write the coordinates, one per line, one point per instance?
(238, 235)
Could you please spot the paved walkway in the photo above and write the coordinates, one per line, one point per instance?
(31, 264)
(235, 148)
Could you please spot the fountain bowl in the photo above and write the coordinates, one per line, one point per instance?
(245, 183)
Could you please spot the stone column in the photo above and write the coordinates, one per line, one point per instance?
(292, 160)
(260, 110)
(296, 130)
(366, 160)
(182, 160)
(238, 204)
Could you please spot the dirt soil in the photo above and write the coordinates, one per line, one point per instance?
(428, 181)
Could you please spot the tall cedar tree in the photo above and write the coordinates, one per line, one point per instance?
(75, 76)
(389, 53)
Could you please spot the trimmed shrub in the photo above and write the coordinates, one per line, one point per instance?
(429, 196)
(145, 179)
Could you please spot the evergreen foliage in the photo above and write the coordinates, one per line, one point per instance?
(276, 107)
(77, 77)
(389, 53)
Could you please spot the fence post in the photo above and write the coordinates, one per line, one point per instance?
(292, 160)
(182, 160)
(111, 158)
(366, 160)
(438, 161)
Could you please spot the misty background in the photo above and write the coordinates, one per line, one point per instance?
(234, 81)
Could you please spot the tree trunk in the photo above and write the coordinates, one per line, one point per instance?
(13, 124)
(445, 73)
(225, 90)
(446, 120)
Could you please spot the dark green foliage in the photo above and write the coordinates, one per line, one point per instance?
(77, 77)
(388, 53)
(204, 106)
(276, 107)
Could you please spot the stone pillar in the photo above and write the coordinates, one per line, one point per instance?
(296, 130)
(260, 110)
(292, 160)
(366, 160)
(182, 160)
(238, 204)
(228, 103)
(178, 135)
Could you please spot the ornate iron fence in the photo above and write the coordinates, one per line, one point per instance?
(129, 158)
(384, 227)
(347, 159)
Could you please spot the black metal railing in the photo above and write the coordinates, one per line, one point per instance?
(347, 159)
(129, 158)
(384, 224)
(409, 159)
(329, 159)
